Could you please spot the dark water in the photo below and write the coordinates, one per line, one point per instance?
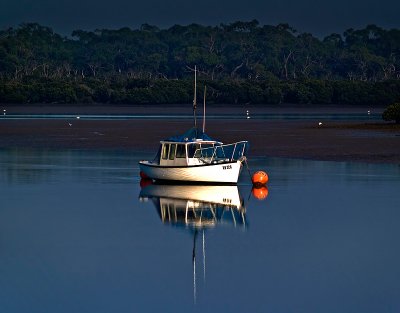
(74, 237)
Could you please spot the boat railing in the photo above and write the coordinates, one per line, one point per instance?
(217, 153)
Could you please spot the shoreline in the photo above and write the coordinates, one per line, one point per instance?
(186, 109)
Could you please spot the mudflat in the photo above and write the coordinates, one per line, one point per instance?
(356, 141)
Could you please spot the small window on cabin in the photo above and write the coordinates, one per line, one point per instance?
(180, 151)
(192, 149)
(172, 152)
(165, 151)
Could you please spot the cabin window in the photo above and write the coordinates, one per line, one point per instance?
(180, 151)
(192, 149)
(172, 152)
(165, 151)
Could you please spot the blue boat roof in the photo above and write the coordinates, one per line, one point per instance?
(191, 135)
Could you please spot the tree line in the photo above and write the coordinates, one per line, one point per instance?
(241, 62)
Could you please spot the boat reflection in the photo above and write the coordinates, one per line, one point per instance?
(197, 208)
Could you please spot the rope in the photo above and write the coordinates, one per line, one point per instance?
(247, 166)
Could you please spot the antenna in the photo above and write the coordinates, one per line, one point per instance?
(195, 96)
(204, 108)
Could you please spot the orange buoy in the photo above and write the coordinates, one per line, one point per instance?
(143, 175)
(259, 178)
(260, 193)
(145, 182)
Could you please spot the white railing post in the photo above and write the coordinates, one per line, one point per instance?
(233, 153)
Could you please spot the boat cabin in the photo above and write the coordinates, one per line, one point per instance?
(196, 148)
(186, 153)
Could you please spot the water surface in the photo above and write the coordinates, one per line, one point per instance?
(75, 236)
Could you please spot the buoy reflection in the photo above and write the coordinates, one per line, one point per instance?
(260, 193)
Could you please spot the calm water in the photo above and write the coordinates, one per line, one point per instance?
(77, 234)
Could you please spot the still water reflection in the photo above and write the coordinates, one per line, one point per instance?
(197, 208)
(76, 235)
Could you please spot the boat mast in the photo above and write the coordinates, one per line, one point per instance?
(195, 96)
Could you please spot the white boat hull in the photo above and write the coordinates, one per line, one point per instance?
(227, 172)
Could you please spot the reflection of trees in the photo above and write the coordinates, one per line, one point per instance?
(307, 170)
(24, 165)
(33, 166)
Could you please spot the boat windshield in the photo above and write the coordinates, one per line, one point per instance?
(218, 151)
(206, 151)
(201, 150)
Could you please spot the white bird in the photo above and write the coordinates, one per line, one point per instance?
(320, 124)
(69, 124)
(78, 117)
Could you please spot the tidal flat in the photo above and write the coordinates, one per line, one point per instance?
(348, 133)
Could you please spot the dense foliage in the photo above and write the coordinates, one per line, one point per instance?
(392, 113)
(241, 62)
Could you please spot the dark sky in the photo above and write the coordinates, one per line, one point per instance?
(319, 17)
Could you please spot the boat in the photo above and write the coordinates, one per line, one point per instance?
(196, 157)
